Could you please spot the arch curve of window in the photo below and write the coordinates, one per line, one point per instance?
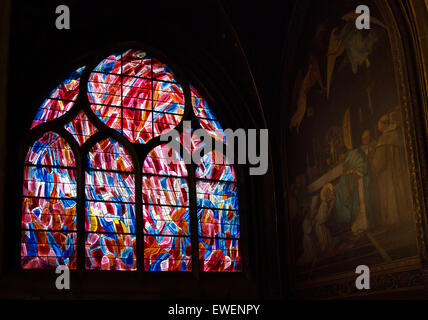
(125, 194)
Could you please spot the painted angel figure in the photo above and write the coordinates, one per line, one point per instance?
(358, 46)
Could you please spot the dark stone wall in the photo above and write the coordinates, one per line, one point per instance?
(4, 54)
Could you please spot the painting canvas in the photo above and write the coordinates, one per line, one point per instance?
(350, 198)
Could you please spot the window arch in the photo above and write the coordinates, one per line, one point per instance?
(48, 236)
(110, 241)
(184, 216)
(218, 219)
(166, 213)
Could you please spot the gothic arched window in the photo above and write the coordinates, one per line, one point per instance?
(99, 192)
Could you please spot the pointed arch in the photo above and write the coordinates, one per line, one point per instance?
(136, 95)
(137, 98)
(218, 217)
(110, 241)
(48, 236)
(166, 214)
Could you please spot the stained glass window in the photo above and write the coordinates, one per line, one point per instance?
(61, 99)
(130, 98)
(136, 95)
(110, 208)
(218, 218)
(205, 116)
(166, 212)
(81, 128)
(48, 236)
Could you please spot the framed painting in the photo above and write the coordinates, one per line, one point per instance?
(353, 175)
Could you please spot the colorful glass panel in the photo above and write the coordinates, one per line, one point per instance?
(165, 191)
(166, 215)
(129, 92)
(214, 223)
(48, 249)
(218, 217)
(111, 217)
(162, 71)
(140, 97)
(60, 100)
(218, 195)
(49, 205)
(164, 161)
(112, 251)
(214, 166)
(189, 141)
(108, 154)
(50, 150)
(81, 128)
(49, 182)
(109, 186)
(163, 253)
(166, 220)
(110, 208)
(48, 214)
(219, 255)
(206, 117)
